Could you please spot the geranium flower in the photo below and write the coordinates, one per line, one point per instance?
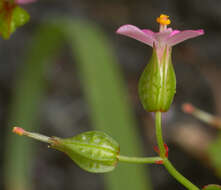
(165, 37)
(157, 84)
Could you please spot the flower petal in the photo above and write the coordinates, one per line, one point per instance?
(174, 32)
(131, 31)
(183, 35)
(162, 37)
(24, 1)
(148, 32)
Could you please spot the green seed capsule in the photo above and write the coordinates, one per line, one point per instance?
(157, 84)
(93, 151)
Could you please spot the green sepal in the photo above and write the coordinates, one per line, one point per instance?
(157, 84)
(11, 17)
(212, 187)
(93, 151)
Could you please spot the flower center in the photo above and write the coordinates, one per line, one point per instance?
(163, 20)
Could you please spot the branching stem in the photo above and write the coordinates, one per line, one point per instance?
(167, 164)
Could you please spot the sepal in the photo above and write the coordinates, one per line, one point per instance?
(157, 84)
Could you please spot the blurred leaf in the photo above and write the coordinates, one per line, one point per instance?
(27, 96)
(19, 18)
(214, 153)
(11, 17)
(212, 187)
(106, 94)
(104, 90)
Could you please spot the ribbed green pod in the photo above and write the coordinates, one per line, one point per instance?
(157, 84)
(93, 151)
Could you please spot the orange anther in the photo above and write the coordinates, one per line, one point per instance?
(163, 19)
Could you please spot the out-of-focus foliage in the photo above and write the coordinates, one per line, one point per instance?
(27, 96)
(215, 154)
(104, 90)
(11, 17)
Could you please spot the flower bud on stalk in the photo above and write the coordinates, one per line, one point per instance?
(93, 151)
(157, 84)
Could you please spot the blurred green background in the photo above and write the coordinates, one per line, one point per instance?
(67, 72)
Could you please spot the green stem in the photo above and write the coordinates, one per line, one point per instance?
(38, 137)
(179, 177)
(167, 164)
(139, 160)
(159, 135)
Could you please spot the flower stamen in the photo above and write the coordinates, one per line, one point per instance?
(163, 20)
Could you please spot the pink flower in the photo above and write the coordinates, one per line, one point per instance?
(24, 1)
(165, 37)
(157, 84)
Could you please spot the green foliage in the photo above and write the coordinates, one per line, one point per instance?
(212, 187)
(27, 96)
(157, 84)
(104, 90)
(214, 153)
(11, 17)
(93, 151)
(19, 18)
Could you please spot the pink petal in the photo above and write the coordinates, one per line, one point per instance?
(148, 32)
(133, 32)
(182, 36)
(163, 36)
(24, 1)
(174, 32)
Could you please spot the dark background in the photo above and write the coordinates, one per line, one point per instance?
(197, 65)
